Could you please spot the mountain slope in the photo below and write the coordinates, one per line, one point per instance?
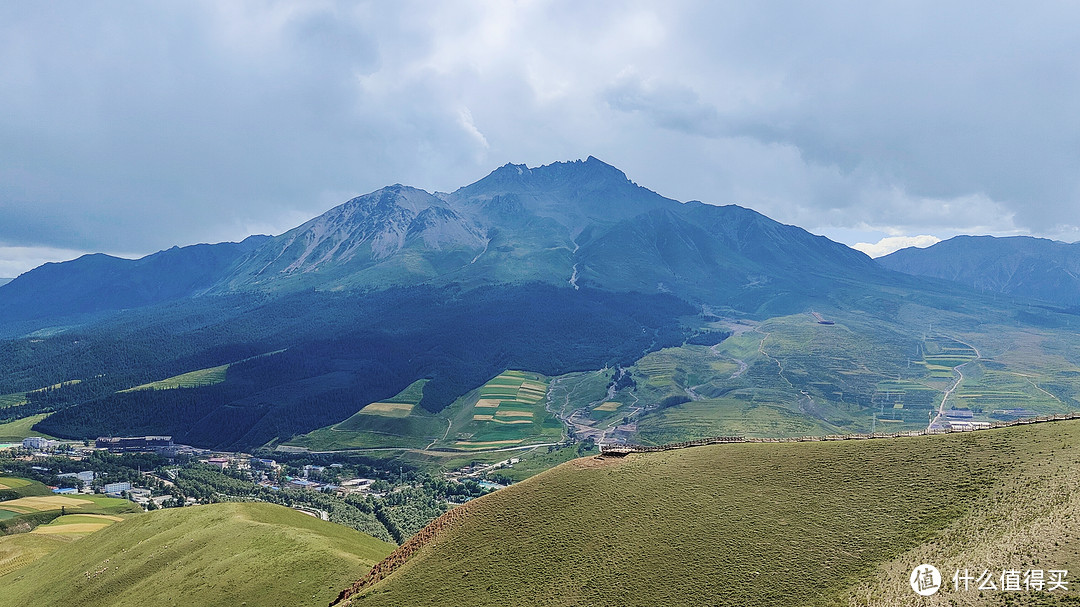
(569, 224)
(98, 282)
(1021, 266)
(753, 524)
(222, 554)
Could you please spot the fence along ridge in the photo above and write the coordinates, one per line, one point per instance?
(617, 449)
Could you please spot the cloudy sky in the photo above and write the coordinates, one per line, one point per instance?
(128, 127)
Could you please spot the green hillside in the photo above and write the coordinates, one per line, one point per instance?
(398, 421)
(192, 379)
(820, 523)
(222, 554)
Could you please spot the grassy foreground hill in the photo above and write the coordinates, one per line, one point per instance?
(222, 554)
(819, 523)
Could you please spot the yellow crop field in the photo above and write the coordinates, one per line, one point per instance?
(608, 406)
(512, 421)
(388, 409)
(483, 418)
(25, 505)
(488, 403)
(71, 528)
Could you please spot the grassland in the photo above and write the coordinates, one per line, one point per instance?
(217, 555)
(758, 524)
(789, 375)
(394, 422)
(18, 551)
(191, 379)
(14, 488)
(19, 429)
(12, 400)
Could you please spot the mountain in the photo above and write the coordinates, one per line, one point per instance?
(1020, 266)
(559, 270)
(825, 523)
(98, 282)
(4, 281)
(571, 224)
(581, 223)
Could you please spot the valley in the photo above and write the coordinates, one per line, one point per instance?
(459, 358)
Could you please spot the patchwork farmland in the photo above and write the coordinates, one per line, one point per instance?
(393, 422)
(506, 411)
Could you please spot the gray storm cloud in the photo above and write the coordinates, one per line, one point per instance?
(136, 126)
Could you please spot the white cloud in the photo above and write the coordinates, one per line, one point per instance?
(148, 125)
(890, 244)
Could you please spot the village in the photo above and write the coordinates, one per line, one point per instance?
(155, 472)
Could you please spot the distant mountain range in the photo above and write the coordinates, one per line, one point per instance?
(99, 282)
(1020, 266)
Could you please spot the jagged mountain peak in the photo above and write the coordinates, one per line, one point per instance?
(574, 173)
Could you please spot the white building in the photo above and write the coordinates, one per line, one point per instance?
(36, 442)
(117, 487)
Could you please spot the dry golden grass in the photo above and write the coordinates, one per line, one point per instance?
(388, 409)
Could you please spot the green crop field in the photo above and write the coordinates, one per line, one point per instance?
(218, 555)
(822, 523)
(506, 411)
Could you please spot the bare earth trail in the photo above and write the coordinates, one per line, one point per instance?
(445, 434)
(936, 422)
